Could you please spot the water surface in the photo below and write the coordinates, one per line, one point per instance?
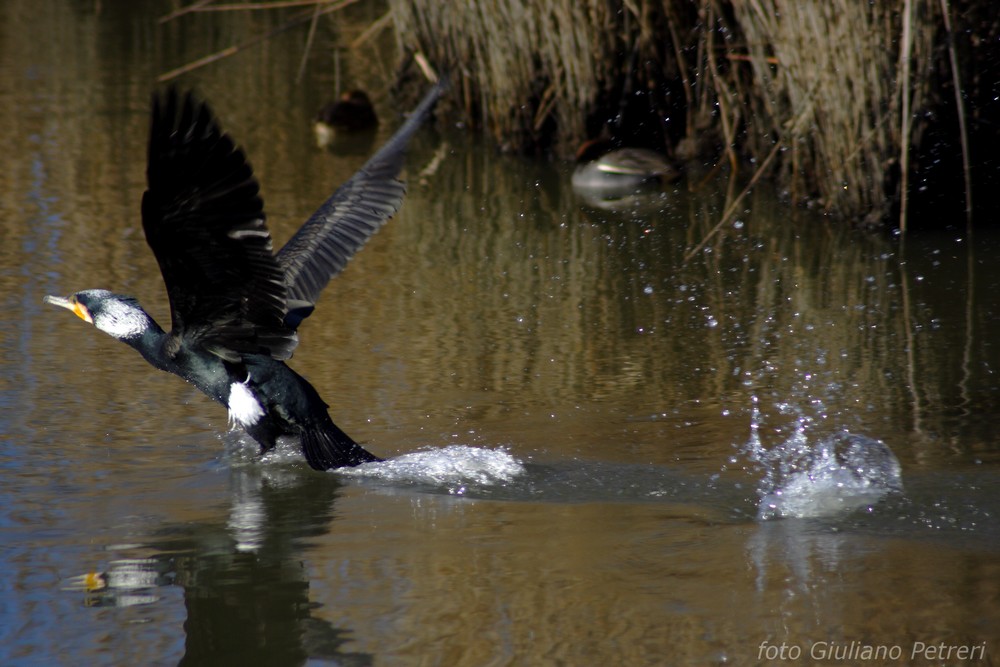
(577, 419)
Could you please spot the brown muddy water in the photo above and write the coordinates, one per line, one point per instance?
(598, 453)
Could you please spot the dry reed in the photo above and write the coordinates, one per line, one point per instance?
(832, 98)
(834, 83)
(517, 63)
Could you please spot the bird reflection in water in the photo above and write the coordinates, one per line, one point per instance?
(245, 588)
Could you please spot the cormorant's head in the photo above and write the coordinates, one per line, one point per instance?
(117, 315)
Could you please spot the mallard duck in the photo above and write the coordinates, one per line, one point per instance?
(612, 173)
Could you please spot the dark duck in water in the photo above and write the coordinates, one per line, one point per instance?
(235, 305)
(352, 113)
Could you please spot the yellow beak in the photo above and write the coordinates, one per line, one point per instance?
(71, 304)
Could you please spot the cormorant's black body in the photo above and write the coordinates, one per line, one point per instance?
(236, 305)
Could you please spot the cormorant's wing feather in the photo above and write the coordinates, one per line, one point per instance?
(323, 245)
(204, 221)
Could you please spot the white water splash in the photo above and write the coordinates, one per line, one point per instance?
(820, 477)
(455, 467)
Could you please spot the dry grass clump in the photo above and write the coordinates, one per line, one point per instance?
(518, 65)
(829, 85)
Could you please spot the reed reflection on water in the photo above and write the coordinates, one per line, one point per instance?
(496, 322)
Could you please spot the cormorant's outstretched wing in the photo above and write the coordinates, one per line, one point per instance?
(323, 245)
(204, 220)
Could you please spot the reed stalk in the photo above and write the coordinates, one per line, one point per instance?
(963, 131)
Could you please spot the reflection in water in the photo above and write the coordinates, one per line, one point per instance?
(635, 204)
(246, 592)
(126, 582)
(797, 548)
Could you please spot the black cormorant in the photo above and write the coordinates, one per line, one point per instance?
(235, 305)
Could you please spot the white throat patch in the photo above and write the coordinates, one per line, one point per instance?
(244, 408)
(120, 319)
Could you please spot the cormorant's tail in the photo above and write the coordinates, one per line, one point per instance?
(326, 446)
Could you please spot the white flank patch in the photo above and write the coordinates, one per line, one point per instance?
(244, 409)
